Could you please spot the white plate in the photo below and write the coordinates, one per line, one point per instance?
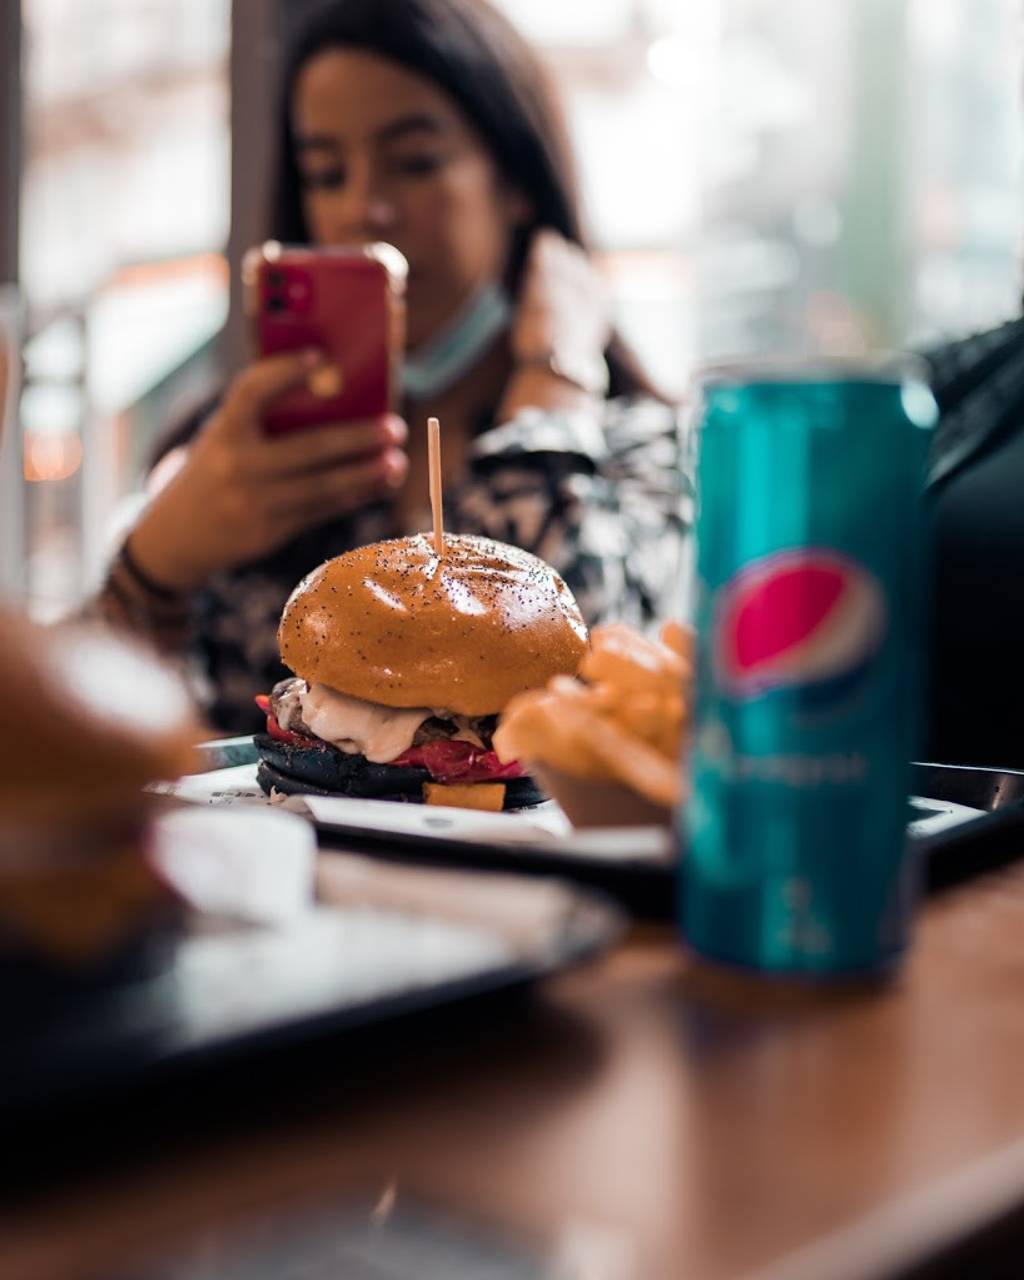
(542, 830)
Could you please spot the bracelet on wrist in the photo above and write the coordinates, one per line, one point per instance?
(142, 578)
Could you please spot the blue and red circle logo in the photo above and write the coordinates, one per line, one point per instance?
(805, 618)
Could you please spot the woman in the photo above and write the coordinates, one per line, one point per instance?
(426, 123)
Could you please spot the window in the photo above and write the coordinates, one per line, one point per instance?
(124, 217)
(759, 175)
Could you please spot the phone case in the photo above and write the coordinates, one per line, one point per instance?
(348, 302)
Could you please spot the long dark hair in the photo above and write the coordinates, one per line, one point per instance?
(474, 54)
(477, 57)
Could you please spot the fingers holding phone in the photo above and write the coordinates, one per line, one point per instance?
(328, 471)
(251, 392)
(303, 434)
(311, 477)
(331, 444)
(309, 498)
(240, 494)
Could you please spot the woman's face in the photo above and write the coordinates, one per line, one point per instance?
(384, 155)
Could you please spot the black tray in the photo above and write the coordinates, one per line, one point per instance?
(234, 994)
(964, 821)
(990, 838)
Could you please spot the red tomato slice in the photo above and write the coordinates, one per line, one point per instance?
(275, 730)
(448, 760)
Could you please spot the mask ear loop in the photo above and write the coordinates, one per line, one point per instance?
(441, 362)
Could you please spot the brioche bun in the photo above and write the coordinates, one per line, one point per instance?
(393, 624)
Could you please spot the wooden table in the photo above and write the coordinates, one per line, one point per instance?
(671, 1122)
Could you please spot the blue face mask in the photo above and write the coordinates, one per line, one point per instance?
(442, 361)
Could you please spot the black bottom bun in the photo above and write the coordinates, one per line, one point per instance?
(325, 771)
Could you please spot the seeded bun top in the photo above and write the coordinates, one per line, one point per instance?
(391, 623)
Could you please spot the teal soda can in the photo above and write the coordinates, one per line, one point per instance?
(809, 610)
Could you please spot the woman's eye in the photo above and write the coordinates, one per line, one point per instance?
(416, 166)
(323, 179)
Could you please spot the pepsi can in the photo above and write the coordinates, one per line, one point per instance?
(809, 612)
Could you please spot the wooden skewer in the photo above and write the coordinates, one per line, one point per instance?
(434, 465)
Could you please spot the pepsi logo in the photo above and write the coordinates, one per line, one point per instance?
(804, 618)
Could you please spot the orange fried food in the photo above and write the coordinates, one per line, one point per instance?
(623, 718)
(489, 796)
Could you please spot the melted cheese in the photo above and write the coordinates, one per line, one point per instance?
(367, 728)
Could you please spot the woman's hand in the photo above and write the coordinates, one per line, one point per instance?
(559, 332)
(238, 494)
(562, 304)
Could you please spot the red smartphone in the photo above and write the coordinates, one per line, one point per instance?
(349, 303)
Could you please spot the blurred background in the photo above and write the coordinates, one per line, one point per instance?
(760, 175)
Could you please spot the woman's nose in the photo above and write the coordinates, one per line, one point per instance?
(365, 209)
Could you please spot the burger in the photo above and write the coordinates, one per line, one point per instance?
(97, 719)
(403, 662)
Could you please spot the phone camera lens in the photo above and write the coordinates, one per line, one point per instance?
(277, 303)
(275, 277)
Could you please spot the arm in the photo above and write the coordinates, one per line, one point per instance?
(130, 600)
(559, 332)
(234, 496)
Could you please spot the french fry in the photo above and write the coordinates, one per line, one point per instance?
(606, 698)
(523, 723)
(568, 687)
(625, 757)
(615, 641)
(643, 714)
(622, 719)
(624, 657)
(533, 728)
(679, 638)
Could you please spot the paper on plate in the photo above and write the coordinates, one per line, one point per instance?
(218, 786)
(238, 785)
(545, 826)
(529, 825)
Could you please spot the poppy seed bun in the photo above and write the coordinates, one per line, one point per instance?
(391, 623)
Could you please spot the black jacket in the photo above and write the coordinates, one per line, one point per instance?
(976, 486)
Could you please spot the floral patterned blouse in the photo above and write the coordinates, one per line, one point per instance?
(605, 502)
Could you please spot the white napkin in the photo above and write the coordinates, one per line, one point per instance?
(248, 864)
